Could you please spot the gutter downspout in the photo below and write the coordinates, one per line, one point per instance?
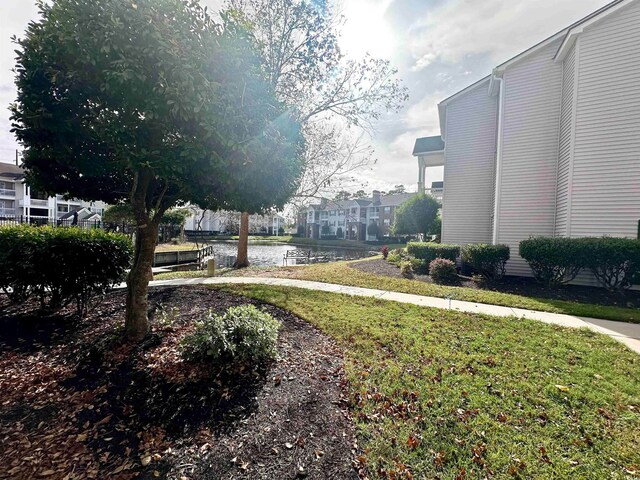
(496, 217)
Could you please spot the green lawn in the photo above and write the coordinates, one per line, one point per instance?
(169, 247)
(341, 273)
(442, 394)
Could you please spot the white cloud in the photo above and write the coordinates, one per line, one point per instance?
(497, 28)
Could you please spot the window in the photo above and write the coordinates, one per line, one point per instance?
(387, 209)
(341, 223)
(386, 221)
(325, 214)
(340, 212)
(63, 208)
(332, 213)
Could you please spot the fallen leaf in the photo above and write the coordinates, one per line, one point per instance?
(562, 388)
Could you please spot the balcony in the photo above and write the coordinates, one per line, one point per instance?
(34, 202)
(7, 212)
(436, 193)
(4, 192)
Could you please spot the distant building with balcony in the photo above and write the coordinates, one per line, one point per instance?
(19, 201)
(226, 222)
(350, 219)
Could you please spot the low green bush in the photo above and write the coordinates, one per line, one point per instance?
(397, 256)
(442, 270)
(488, 260)
(406, 270)
(60, 266)
(613, 261)
(421, 267)
(553, 260)
(243, 334)
(431, 251)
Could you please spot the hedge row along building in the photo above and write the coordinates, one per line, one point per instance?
(549, 143)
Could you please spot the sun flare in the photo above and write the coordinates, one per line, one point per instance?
(366, 30)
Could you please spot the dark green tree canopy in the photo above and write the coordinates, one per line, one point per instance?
(153, 95)
(419, 214)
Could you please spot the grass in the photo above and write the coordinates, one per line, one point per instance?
(169, 247)
(341, 273)
(442, 394)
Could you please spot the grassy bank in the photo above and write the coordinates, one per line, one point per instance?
(169, 247)
(442, 394)
(341, 273)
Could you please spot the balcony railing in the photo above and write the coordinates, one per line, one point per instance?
(7, 212)
(5, 192)
(435, 192)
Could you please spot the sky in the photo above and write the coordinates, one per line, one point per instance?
(438, 46)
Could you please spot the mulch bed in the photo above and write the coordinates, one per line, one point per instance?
(78, 403)
(527, 287)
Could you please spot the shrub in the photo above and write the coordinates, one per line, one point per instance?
(325, 230)
(385, 252)
(613, 261)
(60, 266)
(442, 270)
(488, 260)
(243, 334)
(419, 266)
(406, 270)
(397, 256)
(553, 261)
(339, 233)
(431, 251)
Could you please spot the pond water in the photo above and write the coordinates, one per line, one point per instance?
(269, 254)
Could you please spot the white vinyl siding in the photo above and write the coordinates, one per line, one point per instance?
(469, 171)
(566, 141)
(606, 171)
(529, 158)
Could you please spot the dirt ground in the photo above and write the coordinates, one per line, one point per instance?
(79, 403)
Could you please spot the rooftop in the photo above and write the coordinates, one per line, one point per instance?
(428, 144)
(11, 170)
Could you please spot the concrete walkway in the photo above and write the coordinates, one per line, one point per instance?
(626, 333)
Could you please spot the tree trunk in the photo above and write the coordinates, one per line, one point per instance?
(137, 323)
(243, 242)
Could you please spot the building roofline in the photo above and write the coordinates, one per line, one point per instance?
(577, 28)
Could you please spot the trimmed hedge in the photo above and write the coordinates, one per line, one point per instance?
(60, 266)
(431, 251)
(553, 260)
(442, 270)
(613, 261)
(488, 260)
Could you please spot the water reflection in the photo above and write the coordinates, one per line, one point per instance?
(269, 254)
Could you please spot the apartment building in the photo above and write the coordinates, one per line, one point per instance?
(549, 143)
(19, 201)
(350, 219)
